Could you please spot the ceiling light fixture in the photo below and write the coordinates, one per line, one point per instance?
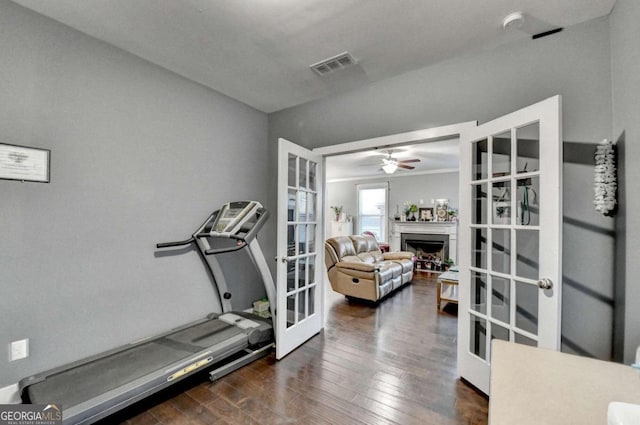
(390, 167)
(513, 21)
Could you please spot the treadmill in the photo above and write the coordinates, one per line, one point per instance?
(95, 387)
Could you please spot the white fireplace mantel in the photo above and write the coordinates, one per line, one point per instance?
(426, 228)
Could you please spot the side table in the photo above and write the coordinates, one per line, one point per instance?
(450, 279)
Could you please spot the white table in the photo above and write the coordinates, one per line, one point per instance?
(447, 288)
(532, 386)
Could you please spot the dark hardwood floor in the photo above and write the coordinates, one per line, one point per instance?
(394, 363)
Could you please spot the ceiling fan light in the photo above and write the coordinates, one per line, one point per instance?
(390, 168)
(514, 20)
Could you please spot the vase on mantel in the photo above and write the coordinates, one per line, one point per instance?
(397, 216)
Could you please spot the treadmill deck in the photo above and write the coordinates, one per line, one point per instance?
(87, 381)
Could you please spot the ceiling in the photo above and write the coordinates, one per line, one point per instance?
(259, 51)
(434, 157)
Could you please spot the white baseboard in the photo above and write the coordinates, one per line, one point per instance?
(9, 395)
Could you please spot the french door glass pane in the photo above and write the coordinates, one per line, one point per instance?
(302, 239)
(312, 175)
(521, 339)
(527, 307)
(501, 251)
(302, 305)
(499, 332)
(501, 195)
(302, 206)
(311, 207)
(479, 204)
(302, 182)
(500, 299)
(501, 157)
(527, 259)
(302, 273)
(479, 292)
(291, 205)
(291, 310)
(478, 337)
(527, 201)
(528, 146)
(311, 265)
(479, 248)
(291, 276)
(292, 182)
(311, 238)
(479, 167)
(312, 300)
(291, 240)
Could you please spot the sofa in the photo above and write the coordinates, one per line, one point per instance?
(357, 268)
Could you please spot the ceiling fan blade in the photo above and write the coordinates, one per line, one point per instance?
(408, 160)
(406, 167)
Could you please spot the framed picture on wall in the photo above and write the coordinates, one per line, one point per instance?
(442, 207)
(24, 163)
(425, 214)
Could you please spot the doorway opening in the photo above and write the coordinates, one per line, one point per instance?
(438, 152)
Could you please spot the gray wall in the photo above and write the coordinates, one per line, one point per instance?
(138, 156)
(625, 65)
(401, 189)
(483, 85)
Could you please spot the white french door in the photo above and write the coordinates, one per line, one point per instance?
(299, 247)
(510, 235)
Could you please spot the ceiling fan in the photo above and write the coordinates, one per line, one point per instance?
(390, 164)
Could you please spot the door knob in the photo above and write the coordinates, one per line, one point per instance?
(545, 283)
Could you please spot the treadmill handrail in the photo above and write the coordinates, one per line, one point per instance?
(177, 243)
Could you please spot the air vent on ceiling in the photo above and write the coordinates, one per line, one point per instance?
(333, 64)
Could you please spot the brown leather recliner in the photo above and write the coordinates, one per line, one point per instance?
(357, 268)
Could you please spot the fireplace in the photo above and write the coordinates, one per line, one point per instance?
(444, 234)
(430, 249)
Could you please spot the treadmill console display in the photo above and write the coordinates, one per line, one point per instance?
(232, 216)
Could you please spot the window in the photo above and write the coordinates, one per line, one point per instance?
(372, 210)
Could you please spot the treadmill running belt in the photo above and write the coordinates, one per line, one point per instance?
(78, 384)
